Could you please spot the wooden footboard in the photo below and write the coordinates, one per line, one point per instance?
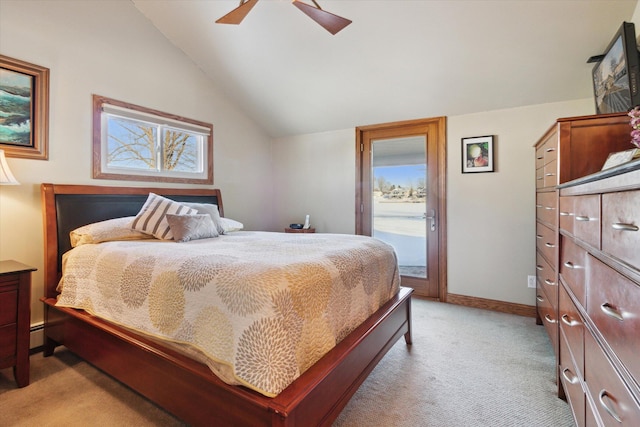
(190, 391)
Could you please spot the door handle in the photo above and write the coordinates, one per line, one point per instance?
(432, 219)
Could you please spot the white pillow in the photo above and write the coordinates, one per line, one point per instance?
(211, 210)
(106, 231)
(152, 217)
(191, 227)
(230, 225)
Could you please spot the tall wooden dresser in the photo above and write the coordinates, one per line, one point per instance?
(571, 149)
(599, 296)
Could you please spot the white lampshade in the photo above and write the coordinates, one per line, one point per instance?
(6, 177)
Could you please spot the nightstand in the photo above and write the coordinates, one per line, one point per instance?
(299, 230)
(15, 318)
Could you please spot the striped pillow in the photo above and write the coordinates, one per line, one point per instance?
(152, 220)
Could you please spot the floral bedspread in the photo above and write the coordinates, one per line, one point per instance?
(258, 308)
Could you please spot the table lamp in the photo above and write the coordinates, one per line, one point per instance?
(6, 177)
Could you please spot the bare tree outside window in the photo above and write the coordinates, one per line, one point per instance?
(141, 144)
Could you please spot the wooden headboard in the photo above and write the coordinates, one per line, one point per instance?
(67, 207)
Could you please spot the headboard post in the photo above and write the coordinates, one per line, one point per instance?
(51, 274)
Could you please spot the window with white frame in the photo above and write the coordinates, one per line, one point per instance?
(137, 143)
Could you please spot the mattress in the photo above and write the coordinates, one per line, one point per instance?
(258, 308)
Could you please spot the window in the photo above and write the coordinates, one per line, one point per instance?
(137, 143)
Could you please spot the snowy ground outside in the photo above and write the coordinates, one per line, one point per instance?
(404, 227)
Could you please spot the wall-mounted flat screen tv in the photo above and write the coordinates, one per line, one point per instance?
(615, 76)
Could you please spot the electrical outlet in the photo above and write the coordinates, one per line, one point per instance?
(531, 281)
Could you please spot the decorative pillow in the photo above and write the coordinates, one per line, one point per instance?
(211, 210)
(191, 227)
(106, 231)
(152, 217)
(230, 225)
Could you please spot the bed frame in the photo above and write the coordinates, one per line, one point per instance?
(178, 384)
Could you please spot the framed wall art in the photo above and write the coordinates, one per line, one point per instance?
(24, 109)
(477, 154)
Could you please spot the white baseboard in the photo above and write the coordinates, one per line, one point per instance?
(36, 335)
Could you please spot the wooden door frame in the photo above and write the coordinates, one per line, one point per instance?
(363, 176)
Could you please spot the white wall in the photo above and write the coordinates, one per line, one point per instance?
(315, 174)
(109, 48)
(490, 216)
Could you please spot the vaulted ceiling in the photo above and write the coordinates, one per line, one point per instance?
(398, 60)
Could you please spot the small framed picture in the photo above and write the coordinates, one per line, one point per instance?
(477, 154)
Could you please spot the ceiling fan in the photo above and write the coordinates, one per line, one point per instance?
(329, 21)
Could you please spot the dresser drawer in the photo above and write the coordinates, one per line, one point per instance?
(540, 157)
(566, 213)
(573, 266)
(546, 207)
(613, 401)
(550, 148)
(547, 280)
(7, 342)
(539, 178)
(613, 304)
(551, 174)
(571, 382)
(590, 419)
(586, 225)
(550, 321)
(572, 327)
(546, 242)
(8, 307)
(621, 226)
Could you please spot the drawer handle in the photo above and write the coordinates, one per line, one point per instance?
(610, 410)
(540, 157)
(539, 298)
(624, 227)
(538, 206)
(582, 218)
(549, 174)
(549, 208)
(571, 265)
(611, 311)
(569, 322)
(538, 236)
(550, 245)
(565, 214)
(549, 150)
(539, 267)
(573, 379)
(549, 282)
(539, 178)
(549, 319)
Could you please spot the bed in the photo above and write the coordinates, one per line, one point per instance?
(178, 383)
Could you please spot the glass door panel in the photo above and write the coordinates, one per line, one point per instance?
(399, 200)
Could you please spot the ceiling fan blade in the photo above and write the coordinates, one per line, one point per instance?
(236, 16)
(329, 21)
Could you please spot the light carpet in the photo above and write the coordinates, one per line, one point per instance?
(466, 367)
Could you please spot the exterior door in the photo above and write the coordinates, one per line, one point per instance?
(400, 197)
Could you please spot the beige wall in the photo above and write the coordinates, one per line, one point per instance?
(491, 216)
(315, 174)
(109, 48)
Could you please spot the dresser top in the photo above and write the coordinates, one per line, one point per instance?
(11, 266)
(608, 173)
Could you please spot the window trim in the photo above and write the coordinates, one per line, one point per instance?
(99, 103)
